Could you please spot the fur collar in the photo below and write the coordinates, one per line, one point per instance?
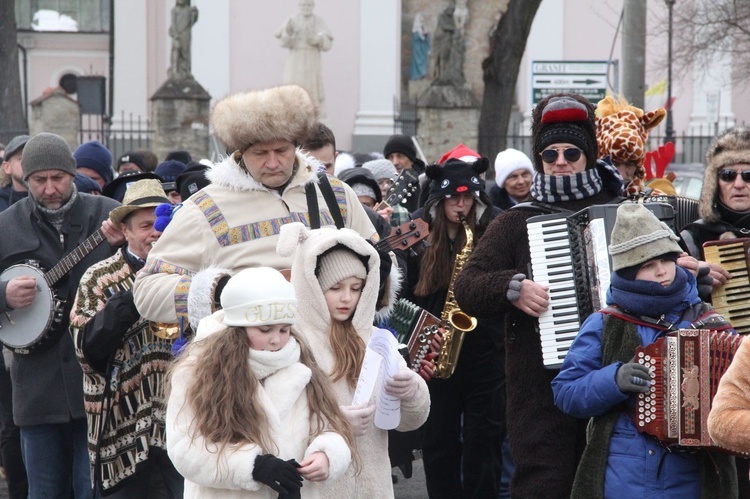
(228, 173)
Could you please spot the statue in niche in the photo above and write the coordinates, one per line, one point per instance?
(183, 18)
(420, 48)
(449, 45)
(306, 36)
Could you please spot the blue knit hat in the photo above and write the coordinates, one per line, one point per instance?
(168, 171)
(95, 156)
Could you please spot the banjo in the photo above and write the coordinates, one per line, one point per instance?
(28, 329)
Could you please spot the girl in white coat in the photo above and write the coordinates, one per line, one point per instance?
(336, 276)
(250, 414)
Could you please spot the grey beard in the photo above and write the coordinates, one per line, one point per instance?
(56, 216)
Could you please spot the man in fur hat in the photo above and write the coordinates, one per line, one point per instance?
(725, 199)
(234, 222)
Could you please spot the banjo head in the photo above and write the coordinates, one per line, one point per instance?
(21, 329)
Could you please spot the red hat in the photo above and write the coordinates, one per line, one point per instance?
(460, 152)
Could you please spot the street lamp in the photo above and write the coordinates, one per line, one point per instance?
(669, 134)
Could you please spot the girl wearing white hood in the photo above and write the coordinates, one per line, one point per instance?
(336, 276)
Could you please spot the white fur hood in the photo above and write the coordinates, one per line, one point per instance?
(306, 246)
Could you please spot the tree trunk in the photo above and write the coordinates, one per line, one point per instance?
(12, 120)
(501, 72)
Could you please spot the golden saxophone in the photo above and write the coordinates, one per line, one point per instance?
(454, 321)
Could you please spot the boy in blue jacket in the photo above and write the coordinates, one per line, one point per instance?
(649, 296)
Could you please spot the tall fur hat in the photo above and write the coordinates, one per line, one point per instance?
(731, 147)
(564, 118)
(279, 113)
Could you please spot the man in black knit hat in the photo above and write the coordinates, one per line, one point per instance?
(400, 151)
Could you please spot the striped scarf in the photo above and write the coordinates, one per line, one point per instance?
(560, 188)
(588, 183)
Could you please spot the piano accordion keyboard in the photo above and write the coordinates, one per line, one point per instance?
(551, 266)
(731, 299)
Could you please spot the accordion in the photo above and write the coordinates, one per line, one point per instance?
(731, 300)
(414, 325)
(686, 367)
(569, 255)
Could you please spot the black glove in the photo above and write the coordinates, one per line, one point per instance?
(705, 282)
(282, 476)
(633, 377)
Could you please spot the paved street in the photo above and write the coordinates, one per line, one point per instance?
(413, 488)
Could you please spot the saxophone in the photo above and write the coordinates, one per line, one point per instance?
(454, 321)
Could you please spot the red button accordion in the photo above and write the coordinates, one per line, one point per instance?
(686, 367)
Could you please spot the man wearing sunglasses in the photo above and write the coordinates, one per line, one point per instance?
(545, 443)
(725, 200)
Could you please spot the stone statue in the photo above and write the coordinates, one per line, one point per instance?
(306, 36)
(448, 88)
(183, 18)
(449, 48)
(420, 48)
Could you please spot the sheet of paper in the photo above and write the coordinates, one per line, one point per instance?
(381, 359)
(368, 376)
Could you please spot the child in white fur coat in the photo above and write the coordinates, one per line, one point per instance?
(336, 276)
(250, 414)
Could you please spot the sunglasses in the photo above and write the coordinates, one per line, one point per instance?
(572, 154)
(730, 175)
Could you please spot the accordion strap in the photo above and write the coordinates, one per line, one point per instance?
(707, 318)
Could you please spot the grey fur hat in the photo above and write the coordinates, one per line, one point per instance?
(638, 236)
(47, 151)
(279, 113)
(731, 147)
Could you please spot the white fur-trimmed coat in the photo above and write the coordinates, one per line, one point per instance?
(230, 475)
(230, 225)
(313, 323)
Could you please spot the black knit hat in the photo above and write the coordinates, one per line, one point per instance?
(192, 179)
(404, 145)
(564, 118)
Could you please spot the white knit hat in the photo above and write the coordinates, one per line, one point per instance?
(638, 236)
(509, 161)
(337, 265)
(257, 297)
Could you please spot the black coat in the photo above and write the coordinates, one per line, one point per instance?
(48, 385)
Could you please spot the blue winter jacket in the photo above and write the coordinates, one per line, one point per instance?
(584, 388)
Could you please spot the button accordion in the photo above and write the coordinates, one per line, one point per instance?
(414, 325)
(569, 255)
(731, 300)
(685, 367)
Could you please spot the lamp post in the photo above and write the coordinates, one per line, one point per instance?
(669, 134)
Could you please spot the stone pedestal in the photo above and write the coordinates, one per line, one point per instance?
(55, 112)
(179, 115)
(442, 129)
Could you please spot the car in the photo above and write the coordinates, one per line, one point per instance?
(689, 178)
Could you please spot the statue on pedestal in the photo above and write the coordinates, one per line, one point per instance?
(183, 18)
(306, 36)
(448, 87)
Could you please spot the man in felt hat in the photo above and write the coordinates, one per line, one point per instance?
(233, 223)
(47, 383)
(118, 348)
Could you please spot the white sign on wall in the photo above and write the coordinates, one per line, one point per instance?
(587, 78)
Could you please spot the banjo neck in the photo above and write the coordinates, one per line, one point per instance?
(74, 257)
